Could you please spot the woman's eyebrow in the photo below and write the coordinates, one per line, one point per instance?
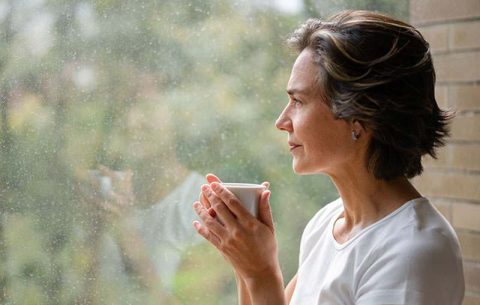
(295, 90)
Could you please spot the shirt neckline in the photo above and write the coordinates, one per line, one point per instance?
(340, 246)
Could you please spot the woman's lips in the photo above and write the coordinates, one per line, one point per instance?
(292, 147)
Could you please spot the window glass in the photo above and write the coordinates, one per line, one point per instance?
(159, 93)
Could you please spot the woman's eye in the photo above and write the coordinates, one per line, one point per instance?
(296, 102)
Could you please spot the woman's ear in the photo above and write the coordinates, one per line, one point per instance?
(358, 126)
(360, 129)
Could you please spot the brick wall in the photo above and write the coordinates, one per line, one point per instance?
(453, 181)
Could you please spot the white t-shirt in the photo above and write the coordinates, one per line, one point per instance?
(411, 256)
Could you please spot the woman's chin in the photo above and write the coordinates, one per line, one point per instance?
(300, 169)
(304, 169)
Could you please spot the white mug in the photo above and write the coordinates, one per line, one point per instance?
(248, 194)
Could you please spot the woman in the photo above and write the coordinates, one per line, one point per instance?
(362, 111)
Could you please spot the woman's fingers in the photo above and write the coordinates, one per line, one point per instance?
(212, 212)
(266, 184)
(202, 230)
(203, 200)
(212, 178)
(265, 211)
(222, 210)
(230, 201)
(211, 229)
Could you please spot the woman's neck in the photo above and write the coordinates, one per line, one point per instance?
(366, 199)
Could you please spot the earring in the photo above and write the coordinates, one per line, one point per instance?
(355, 136)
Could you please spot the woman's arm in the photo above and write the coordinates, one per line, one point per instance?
(242, 291)
(290, 289)
(244, 294)
(267, 290)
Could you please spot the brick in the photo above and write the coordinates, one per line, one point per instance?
(458, 156)
(471, 299)
(441, 161)
(449, 185)
(457, 66)
(466, 216)
(441, 95)
(425, 11)
(472, 276)
(466, 127)
(464, 156)
(470, 243)
(464, 97)
(464, 35)
(437, 37)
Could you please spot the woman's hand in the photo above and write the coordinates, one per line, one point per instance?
(204, 201)
(248, 243)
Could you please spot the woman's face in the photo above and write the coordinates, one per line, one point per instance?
(318, 142)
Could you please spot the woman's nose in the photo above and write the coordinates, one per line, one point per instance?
(283, 122)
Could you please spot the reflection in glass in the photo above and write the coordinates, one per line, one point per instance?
(167, 89)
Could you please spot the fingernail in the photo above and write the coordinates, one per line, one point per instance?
(196, 204)
(215, 186)
(196, 224)
(212, 212)
(204, 187)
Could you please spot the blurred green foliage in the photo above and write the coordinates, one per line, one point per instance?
(159, 87)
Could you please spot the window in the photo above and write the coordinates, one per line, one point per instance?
(170, 90)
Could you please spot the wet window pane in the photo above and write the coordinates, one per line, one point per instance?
(159, 93)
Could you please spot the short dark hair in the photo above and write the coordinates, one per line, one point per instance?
(378, 71)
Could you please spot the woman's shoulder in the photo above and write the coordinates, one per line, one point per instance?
(424, 221)
(420, 230)
(417, 244)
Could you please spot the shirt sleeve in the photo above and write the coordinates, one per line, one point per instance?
(409, 272)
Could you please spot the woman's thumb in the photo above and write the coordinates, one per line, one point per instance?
(265, 211)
